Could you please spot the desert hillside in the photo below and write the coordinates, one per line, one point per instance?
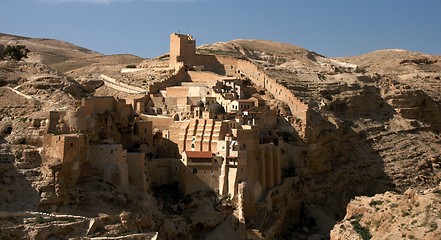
(66, 57)
(390, 97)
(372, 133)
(376, 123)
(48, 51)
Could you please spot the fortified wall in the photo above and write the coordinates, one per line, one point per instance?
(183, 51)
(120, 86)
(246, 68)
(177, 78)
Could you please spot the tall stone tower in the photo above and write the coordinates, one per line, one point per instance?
(182, 50)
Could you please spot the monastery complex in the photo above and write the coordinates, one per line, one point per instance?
(198, 128)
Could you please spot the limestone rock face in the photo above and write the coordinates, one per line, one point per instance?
(392, 216)
(373, 124)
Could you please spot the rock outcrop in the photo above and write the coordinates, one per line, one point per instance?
(412, 215)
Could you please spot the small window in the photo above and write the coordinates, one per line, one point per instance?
(111, 150)
(195, 171)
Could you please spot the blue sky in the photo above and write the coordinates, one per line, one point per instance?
(142, 27)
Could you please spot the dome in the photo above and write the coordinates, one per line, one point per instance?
(200, 104)
(216, 108)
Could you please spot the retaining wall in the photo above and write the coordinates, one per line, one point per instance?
(115, 84)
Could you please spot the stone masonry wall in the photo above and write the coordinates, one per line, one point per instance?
(120, 86)
(183, 52)
(233, 66)
(176, 79)
(257, 76)
(182, 49)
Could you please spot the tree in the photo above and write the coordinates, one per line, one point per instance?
(16, 52)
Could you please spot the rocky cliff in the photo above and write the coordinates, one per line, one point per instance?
(409, 215)
(374, 122)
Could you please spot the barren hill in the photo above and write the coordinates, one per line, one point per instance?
(48, 51)
(66, 57)
(272, 52)
(397, 61)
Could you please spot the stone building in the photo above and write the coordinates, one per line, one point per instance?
(102, 138)
(240, 105)
(109, 161)
(182, 53)
(219, 155)
(182, 49)
(220, 139)
(141, 103)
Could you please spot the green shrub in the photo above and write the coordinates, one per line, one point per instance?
(375, 203)
(16, 52)
(432, 226)
(437, 191)
(362, 231)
